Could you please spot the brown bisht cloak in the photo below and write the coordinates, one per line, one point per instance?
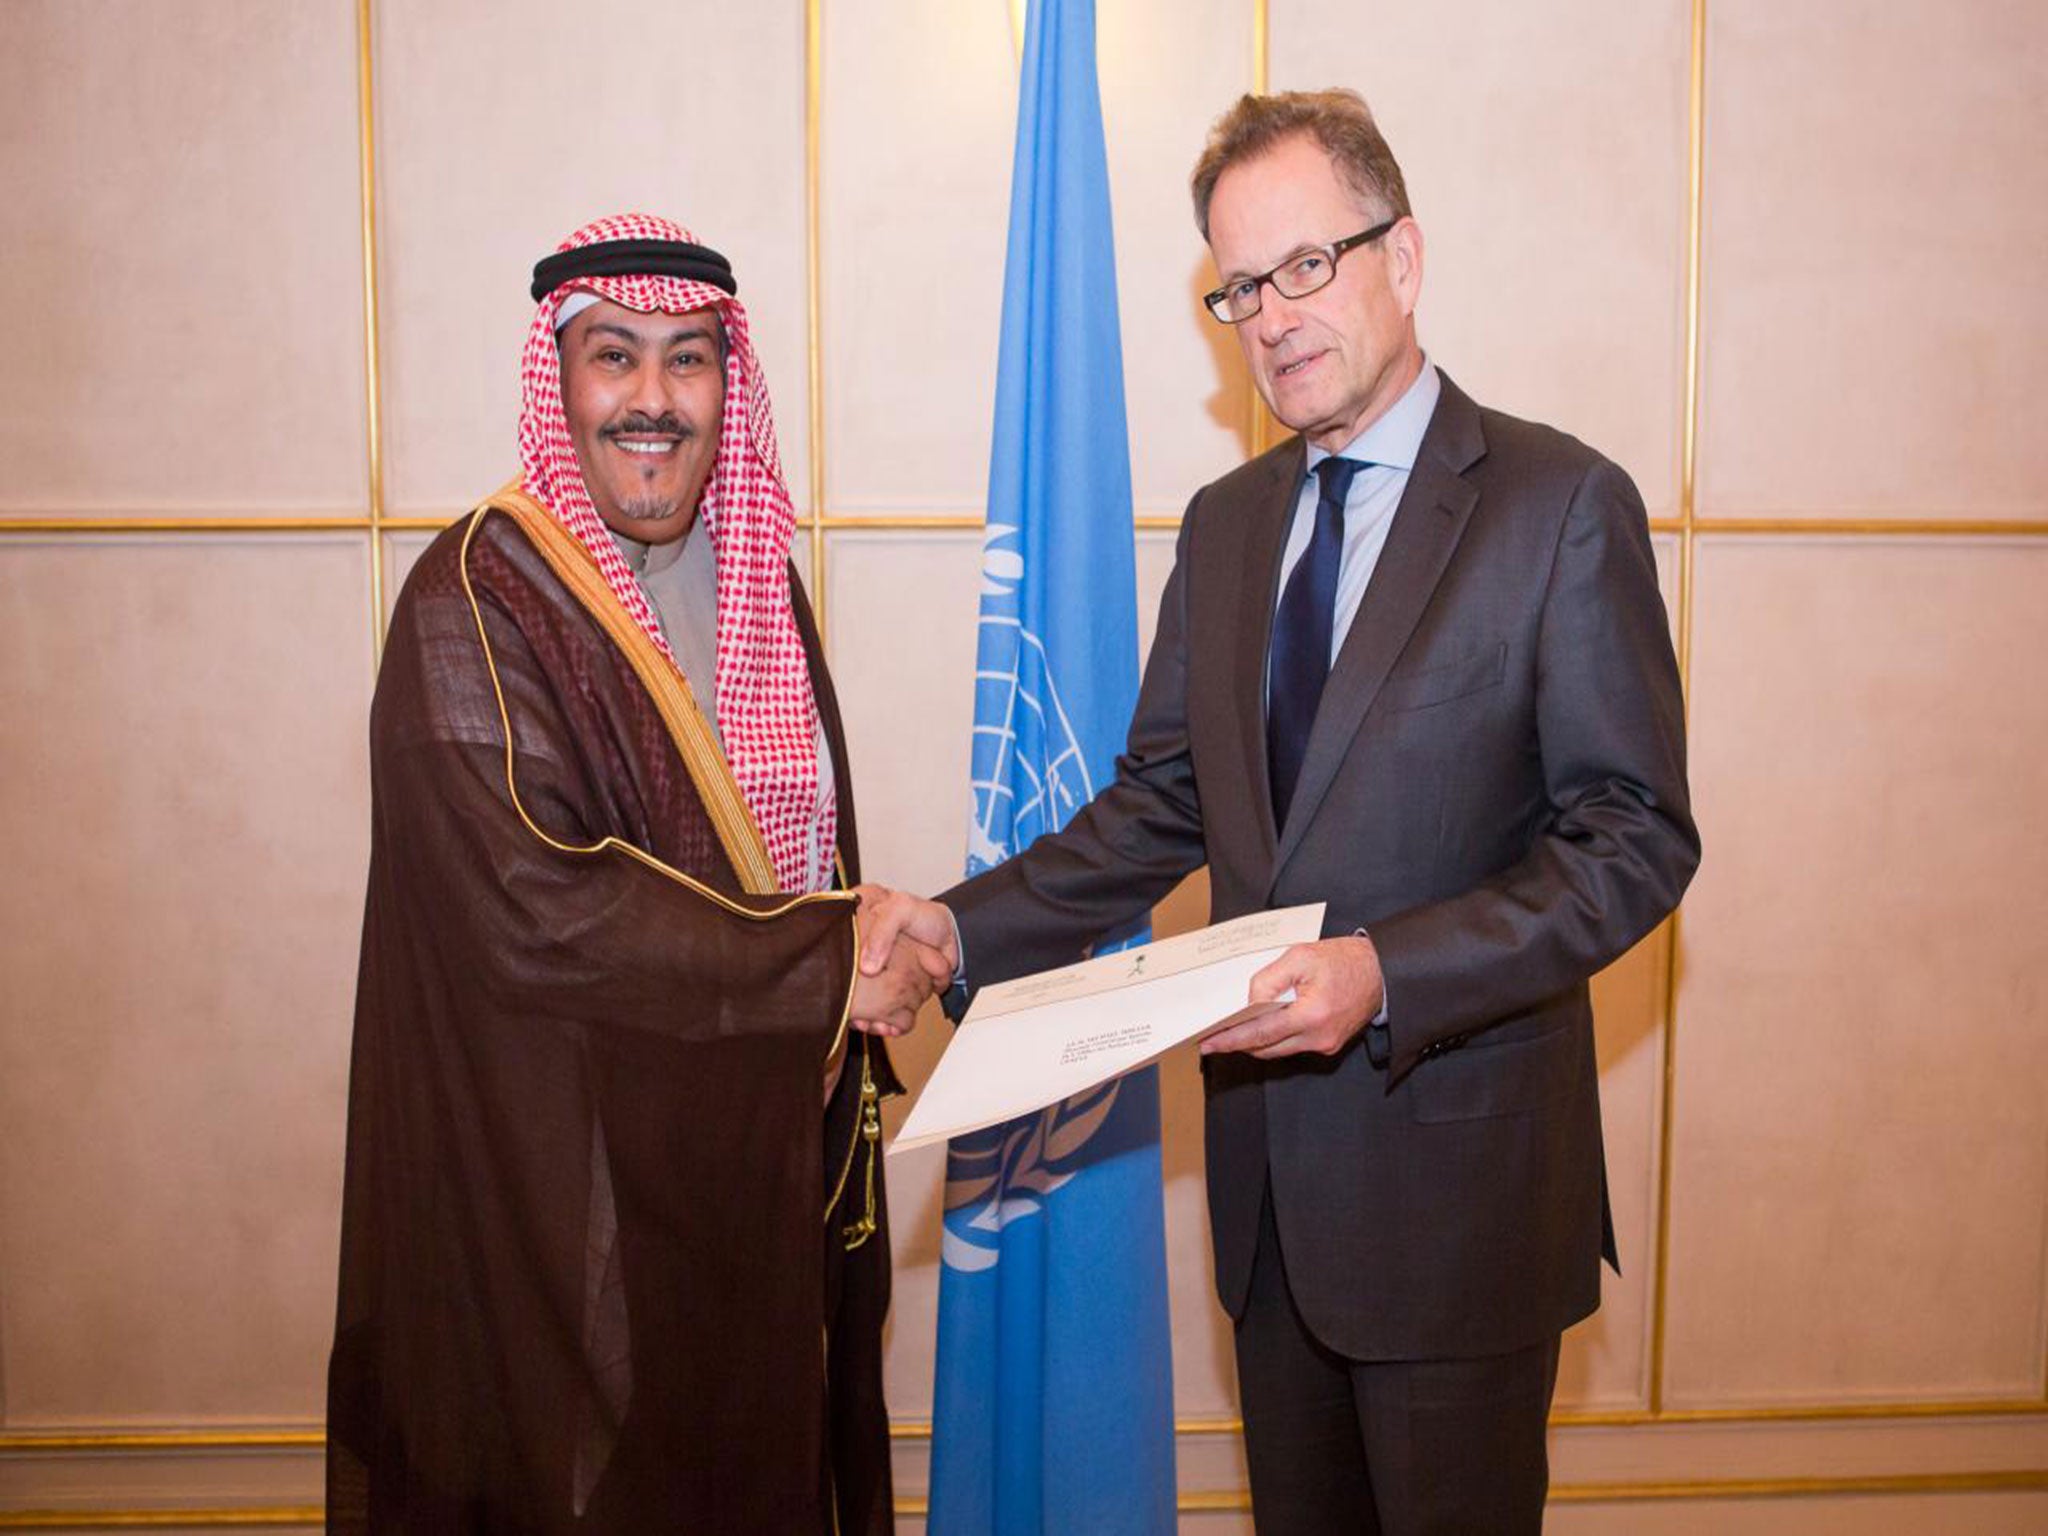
(602, 1258)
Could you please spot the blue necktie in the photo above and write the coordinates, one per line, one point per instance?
(1300, 658)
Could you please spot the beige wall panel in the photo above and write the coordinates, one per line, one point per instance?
(1935, 1514)
(1876, 326)
(1677, 1452)
(1860, 1182)
(503, 126)
(1167, 70)
(1545, 153)
(903, 611)
(920, 102)
(1155, 548)
(1605, 1364)
(800, 555)
(131, 1479)
(187, 811)
(184, 249)
(920, 116)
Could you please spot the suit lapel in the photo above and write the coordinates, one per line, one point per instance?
(1265, 541)
(1428, 523)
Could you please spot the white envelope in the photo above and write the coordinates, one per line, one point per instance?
(1035, 1041)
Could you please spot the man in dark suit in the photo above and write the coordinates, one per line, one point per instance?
(1412, 663)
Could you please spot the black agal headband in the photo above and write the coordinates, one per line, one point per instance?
(634, 258)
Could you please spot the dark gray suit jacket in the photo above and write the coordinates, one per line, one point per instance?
(1494, 788)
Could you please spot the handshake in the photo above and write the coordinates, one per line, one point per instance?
(909, 951)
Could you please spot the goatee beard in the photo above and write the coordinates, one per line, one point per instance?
(651, 509)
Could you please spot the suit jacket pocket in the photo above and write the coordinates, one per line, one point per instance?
(1509, 1077)
(1452, 680)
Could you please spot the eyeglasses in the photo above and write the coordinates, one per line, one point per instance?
(1295, 278)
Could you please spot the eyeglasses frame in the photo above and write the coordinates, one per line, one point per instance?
(1333, 251)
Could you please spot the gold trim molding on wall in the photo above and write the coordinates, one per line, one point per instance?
(2027, 529)
(373, 366)
(1688, 510)
(814, 103)
(310, 1437)
(1219, 1501)
(273, 1517)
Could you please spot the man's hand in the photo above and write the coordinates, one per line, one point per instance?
(886, 1002)
(886, 915)
(907, 954)
(1337, 989)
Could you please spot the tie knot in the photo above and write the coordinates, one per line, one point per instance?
(1336, 473)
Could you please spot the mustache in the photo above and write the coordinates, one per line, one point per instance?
(640, 424)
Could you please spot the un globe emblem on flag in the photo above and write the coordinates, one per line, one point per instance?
(1029, 772)
(1029, 776)
(1004, 1174)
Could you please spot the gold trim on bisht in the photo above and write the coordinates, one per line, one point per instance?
(545, 532)
(709, 771)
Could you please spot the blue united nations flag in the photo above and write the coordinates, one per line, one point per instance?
(1054, 1406)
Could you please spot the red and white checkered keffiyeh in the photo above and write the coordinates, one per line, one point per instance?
(767, 715)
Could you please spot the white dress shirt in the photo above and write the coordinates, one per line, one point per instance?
(1388, 448)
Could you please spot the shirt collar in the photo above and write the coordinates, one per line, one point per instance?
(649, 559)
(1395, 438)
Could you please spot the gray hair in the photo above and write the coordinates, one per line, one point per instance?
(1337, 119)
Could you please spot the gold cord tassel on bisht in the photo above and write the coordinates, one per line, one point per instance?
(858, 1232)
